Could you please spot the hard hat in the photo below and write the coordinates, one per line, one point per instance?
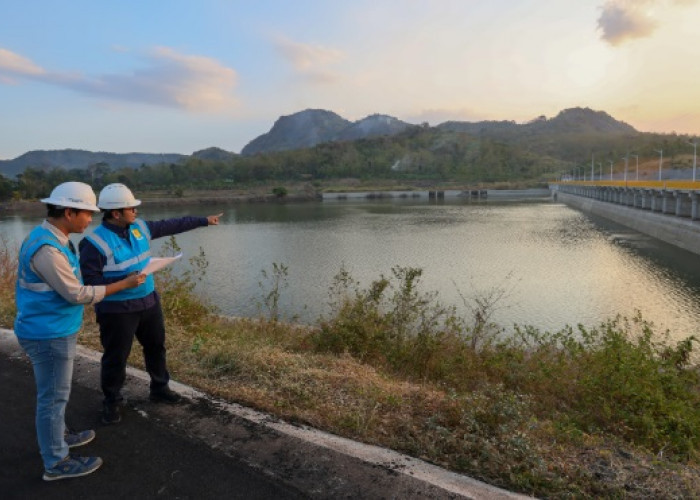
(116, 196)
(74, 195)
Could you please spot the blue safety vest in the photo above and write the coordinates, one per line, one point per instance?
(41, 312)
(124, 258)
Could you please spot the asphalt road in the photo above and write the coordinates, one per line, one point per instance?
(143, 457)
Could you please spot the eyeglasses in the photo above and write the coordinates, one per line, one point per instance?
(130, 209)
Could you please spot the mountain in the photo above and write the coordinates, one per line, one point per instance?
(372, 126)
(300, 130)
(581, 121)
(77, 158)
(314, 126)
(213, 153)
(568, 121)
(570, 135)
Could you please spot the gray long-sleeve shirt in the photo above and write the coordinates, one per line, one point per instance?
(54, 269)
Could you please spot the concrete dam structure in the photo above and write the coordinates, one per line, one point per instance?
(667, 211)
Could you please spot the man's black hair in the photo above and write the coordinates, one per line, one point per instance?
(55, 211)
(107, 214)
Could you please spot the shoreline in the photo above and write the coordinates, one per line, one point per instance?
(155, 199)
(34, 206)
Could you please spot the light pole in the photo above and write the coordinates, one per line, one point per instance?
(637, 157)
(592, 174)
(625, 158)
(661, 160)
(611, 165)
(695, 156)
(601, 170)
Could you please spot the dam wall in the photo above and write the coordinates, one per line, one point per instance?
(683, 232)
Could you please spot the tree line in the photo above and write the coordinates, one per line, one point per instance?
(419, 153)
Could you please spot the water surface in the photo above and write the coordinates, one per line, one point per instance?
(556, 266)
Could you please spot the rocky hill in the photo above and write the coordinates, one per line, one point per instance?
(568, 121)
(213, 153)
(571, 134)
(373, 126)
(300, 130)
(315, 126)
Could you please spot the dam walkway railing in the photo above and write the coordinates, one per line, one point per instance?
(679, 198)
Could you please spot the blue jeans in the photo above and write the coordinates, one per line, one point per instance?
(52, 360)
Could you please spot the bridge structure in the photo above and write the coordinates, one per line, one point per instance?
(668, 197)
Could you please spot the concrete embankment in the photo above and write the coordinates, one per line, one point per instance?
(678, 231)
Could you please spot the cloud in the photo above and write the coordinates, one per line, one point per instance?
(14, 67)
(310, 61)
(623, 20)
(171, 79)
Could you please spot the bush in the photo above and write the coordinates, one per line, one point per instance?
(390, 324)
(8, 277)
(619, 378)
(180, 302)
(279, 191)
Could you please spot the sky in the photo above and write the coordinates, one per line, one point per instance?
(177, 76)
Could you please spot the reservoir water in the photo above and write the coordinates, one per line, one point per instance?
(556, 266)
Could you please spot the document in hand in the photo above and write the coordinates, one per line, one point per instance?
(158, 263)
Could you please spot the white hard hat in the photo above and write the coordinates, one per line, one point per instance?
(74, 195)
(116, 196)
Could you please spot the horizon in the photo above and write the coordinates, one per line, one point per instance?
(179, 77)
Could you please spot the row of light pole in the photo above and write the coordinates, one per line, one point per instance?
(574, 172)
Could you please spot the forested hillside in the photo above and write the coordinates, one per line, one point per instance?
(469, 153)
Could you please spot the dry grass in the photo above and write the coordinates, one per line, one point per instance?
(8, 277)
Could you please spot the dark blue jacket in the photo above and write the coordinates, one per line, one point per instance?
(92, 261)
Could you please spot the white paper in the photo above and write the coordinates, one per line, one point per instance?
(158, 263)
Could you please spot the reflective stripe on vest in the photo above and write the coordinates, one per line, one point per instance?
(41, 312)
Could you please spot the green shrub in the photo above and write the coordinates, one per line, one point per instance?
(272, 285)
(181, 304)
(8, 277)
(390, 323)
(619, 378)
(279, 191)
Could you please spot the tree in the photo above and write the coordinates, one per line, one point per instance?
(6, 188)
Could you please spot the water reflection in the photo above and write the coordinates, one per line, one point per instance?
(559, 266)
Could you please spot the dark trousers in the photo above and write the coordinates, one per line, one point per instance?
(117, 331)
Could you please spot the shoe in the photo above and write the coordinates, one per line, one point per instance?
(74, 439)
(72, 466)
(165, 395)
(111, 414)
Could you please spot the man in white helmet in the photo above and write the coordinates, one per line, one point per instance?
(117, 247)
(50, 298)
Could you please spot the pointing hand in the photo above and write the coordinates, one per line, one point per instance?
(213, 220)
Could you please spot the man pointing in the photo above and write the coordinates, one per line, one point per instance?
(118, 247)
